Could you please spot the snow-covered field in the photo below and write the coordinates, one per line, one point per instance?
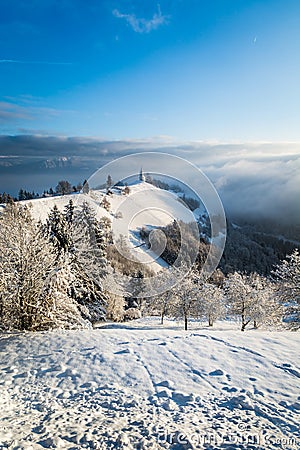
(146, 385)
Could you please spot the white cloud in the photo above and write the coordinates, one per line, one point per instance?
(47, 63)
(141, 25)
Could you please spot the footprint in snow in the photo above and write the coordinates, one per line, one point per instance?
(216, 373)
(122, 352)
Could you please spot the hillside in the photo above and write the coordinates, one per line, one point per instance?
(250, 247)
(146, 206)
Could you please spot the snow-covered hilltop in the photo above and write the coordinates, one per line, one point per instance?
(144, 206)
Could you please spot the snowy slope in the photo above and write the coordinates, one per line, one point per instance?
(145, 206)
(139, 385)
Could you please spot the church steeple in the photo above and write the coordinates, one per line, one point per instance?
(142, 176)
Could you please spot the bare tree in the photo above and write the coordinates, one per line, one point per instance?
(211, 304)
(288, 288)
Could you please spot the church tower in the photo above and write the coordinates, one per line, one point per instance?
(142, 176)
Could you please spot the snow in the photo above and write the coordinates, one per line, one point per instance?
(145, 206)
(145, 385)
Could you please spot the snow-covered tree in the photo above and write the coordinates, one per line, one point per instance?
(126, 190)
(288, 275)
(251, 298)
(163, 304)
(115, 309)
(105, 225)
(64, 310)
(69, 212)
(265, 308)
(26, 263)
(109, 183)
(58, 230)
(238, 295)
(89, 261)
(186, 298)
(88, 235)
(210, 303)
(105, 204)
(63, 187)
(85, 187)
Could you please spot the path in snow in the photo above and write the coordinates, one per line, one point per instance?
(142, 385)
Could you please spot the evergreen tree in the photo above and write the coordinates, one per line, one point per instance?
(58, 230)
(109, 183)
(21, 195)
(105, 204)
(69, 212)
(85, 187)
(64, 309)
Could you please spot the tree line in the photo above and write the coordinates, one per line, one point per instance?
(53, 275)
(63, 187)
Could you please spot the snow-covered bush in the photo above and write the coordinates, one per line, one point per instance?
(132, 313)
(115, 309)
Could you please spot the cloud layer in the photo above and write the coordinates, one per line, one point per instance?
(259, 180)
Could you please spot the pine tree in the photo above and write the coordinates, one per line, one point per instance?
(69, 212)
(89, 261)
(109, 183)
(85, 187)
(58, 230)
(64, 309)
(21, 195)
(141, 175)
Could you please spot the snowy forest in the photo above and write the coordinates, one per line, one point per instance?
(53, 274)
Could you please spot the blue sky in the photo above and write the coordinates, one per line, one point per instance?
(225, 70)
